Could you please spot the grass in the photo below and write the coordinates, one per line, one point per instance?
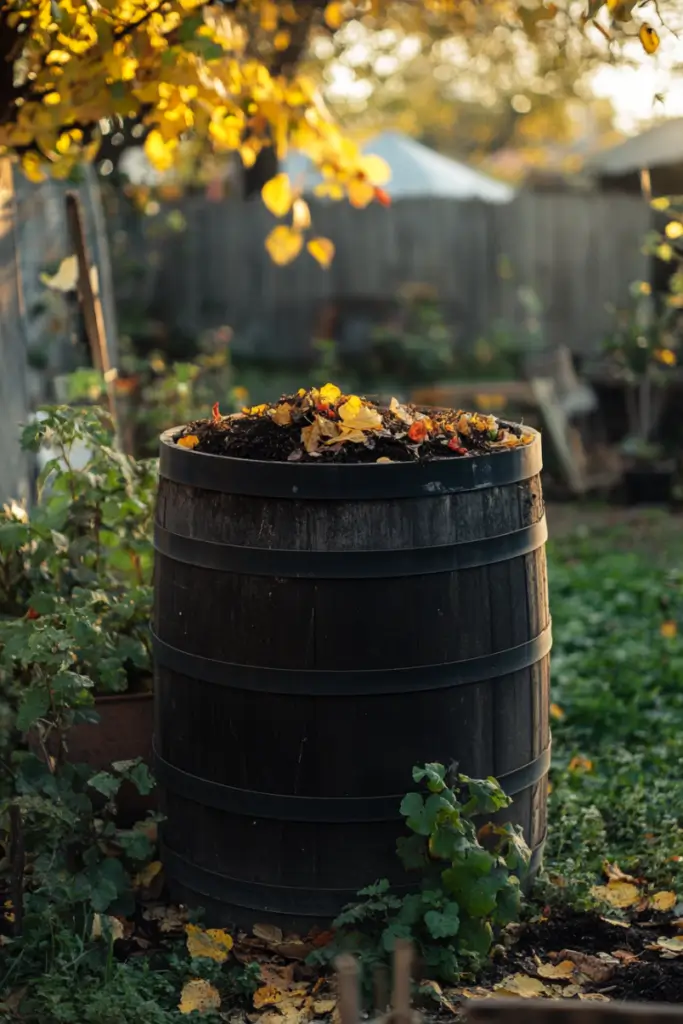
(617, 674)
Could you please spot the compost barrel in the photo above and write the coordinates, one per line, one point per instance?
(319, 630)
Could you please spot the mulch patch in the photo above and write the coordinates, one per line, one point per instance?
(328, 426)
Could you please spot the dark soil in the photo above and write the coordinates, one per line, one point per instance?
(653, 977)
(306, 427)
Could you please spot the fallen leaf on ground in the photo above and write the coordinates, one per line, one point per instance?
(618, 894)
(593, 997)
(294, 949)
(673, 945)
(355, 415)
(269, 933)
(214, 944)
(169, 918)
(268, 995)
(663, 900)
(323, 1006)
(103, 925)
(613, 873)
(282, 415)
(521, 985)
(592, 967)
(564, 969)
(438, 993)
(145, 878)
(280, 976)
(615, 923)
(473, 993)
(198, 995)
(625, 955)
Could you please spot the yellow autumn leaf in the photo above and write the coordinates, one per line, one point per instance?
(521, 985)
(200, 996)
(668, 629)
(557, 712)
(268, 16)
(267, 995)
(360, 193)
(580, 764)
(375, 169)
(384, 459)
(281, 40)
(322, 250)
(283, 244)
(357, 415)
(668, 358)
(321, 1007)
(664, 900)
(214, 944)
(674, 229)
(191, 441)
(282, 414)
(664, 252)
(105, 926)
(301, 215)
(32, 167)
(661, 203)
(564, 969)
(277, 195)
(66, 278)
(334, 15)
(330, 393)
(617, 894)
(159, 152)
(311, 437)
(144, 878)
(648, 38)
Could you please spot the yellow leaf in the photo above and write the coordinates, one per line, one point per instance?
(66, 278)
(277, 195)
(661, 203)
(668, 629)
(144, 878)
(322, 250)
(324, 1006)
(114, 927)
(268, 995)
(357, 415)
(521, 985)
(664, 252)
(375, 169)
(384, 459)
(664, 900)
(268, 16)
(557, 712)
(330, 393)
(282, 39)
(580, 764)
(214, 944)
(311, 436)
(617, 894)
(674, 229)
(282, 415)
(191, 441)
(564, 969)
(648, 38)
(200, 996)
(301, 215)
(329, 190)
(334, 15)
(32, 167)
(673, 945)
(284, 244)
(360, 192)
(159, 152)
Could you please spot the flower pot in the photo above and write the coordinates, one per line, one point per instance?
(649, 483)
(123, 733)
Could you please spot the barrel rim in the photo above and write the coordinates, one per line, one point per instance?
(360, 480)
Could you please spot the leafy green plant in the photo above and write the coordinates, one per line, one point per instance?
(469, 884)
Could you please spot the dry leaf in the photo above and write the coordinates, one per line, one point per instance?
(144, 878)
(282, 415)
(474, 993)
(322, 250)
(269, 933)
(618, 894)
(617, 924)
(556, 712)
(323, 1006)
(384, 459)
(663, 900)
(580, 764)
(284, 244)
(294, 949)
(103, 925)
(169, 918)
(329, 393)
(400, 412)
(310, 436)
(267, 995)
(334, 15)
(649, 39)
(214, 943)
(66, 278)
(564, 969)
(521, 985)
(593, 997)
(301, 215)
(277, 195)
(356, 415)
(668, 629)
(613, 873)
(418, 431)
(280, 976)
(625, 955)
(673, 945)
(592, 967)
(198, 995)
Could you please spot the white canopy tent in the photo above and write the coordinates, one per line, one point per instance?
(417, 172)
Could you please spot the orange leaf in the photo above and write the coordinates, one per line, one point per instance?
(418, 431)
(190, 441)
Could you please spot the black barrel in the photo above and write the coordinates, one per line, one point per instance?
(319, 630)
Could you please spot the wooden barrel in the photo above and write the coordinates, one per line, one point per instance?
(319, 630)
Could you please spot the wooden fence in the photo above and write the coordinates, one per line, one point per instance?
(579, 253)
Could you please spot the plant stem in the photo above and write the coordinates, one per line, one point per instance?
(17, 858)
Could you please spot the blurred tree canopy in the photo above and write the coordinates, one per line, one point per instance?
(227, 77)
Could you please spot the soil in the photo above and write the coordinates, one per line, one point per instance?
(655, 976)
(327, 426)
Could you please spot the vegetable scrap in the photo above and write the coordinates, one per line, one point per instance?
(325, 424)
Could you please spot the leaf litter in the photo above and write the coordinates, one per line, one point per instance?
(323, 424)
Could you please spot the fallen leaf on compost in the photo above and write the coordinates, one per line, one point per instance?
(400, 412)
(279, 976)
(618, 894)
(613, 873)
(214, 944)
(592, 967)
(356, 415)
(294, 949)
(330, 393)
(593, 997)
(198, 995)
(521, 985)
(267, 995)
(418, 431)
(625, 955)
(310, 436)
(673, 945)
(191, 441)
(564, 969)
(269, 933)
(282, 414)
(473, 993)
(384, 459)
(617, 924)
(663, 900)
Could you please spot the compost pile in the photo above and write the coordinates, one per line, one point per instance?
(325, 425)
